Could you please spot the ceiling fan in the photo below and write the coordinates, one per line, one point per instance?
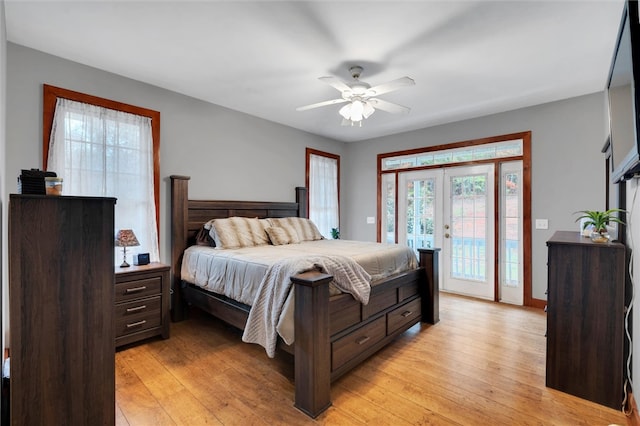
(361, 97)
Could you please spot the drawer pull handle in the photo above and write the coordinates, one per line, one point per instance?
(406, 313)
(135, 324)
(137, 308)
(136, 289)
(362, 340)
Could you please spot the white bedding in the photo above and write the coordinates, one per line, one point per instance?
(238, 274)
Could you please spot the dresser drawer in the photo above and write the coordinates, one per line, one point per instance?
(345, 348)
(137, 308)
(405, 314)
(137, 289)
(139, 315)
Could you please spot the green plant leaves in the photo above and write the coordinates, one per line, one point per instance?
(599, 219)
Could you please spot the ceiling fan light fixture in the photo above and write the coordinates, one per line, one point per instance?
(358, 97)
(345, 111)
(367, 110)
(357, 108)
(347, 122)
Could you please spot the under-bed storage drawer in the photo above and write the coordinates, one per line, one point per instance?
(407, 291)
(344, 311)
(403, 315)
(349, 346)
(379, 301)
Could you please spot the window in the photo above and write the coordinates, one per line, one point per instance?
(105, 148)
(323, 183)
(464, 154)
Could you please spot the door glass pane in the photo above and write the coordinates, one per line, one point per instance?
(511, 220)
(420, 213)
(389, 208)
(469, 227)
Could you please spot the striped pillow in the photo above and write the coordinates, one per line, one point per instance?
(281, 235)
(238, 232)
(306, 229)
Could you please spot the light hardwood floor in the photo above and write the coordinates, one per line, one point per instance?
(482, 364)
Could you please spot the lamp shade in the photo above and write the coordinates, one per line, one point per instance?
(356, 111)
(126, 238)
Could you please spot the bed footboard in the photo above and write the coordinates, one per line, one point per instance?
(332, 337)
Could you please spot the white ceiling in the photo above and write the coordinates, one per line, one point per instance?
(468, 58)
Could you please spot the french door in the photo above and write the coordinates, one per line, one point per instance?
(453, 208)
(469, 231)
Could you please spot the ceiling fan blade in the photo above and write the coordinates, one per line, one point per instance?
(336, 83)
(389, 106)
(321, 104)
(390, 86)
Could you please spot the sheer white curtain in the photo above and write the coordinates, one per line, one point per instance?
(323, 193)
(108, 153)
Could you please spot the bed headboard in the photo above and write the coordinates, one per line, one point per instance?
(188, 216)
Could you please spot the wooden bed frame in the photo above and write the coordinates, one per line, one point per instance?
(333, 334)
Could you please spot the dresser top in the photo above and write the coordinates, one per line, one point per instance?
(576, 238)
(153, 266)
(59, 197)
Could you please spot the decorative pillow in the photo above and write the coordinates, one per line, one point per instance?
(238, 232)
(306, 229)
(282, 235)
(203, 238)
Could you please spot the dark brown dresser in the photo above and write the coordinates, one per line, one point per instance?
(585, 318)
(61, 291)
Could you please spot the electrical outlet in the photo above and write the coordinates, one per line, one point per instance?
(371, 220)
(542, 224)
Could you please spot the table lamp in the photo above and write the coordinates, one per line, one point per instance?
(126, 238)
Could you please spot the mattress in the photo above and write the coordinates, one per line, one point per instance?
(237, 273)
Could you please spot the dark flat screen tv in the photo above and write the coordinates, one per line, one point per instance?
(623, 100)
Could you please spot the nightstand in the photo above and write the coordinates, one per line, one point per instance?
(142, 302)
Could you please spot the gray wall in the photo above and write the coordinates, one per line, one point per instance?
(229, 155)
(567, 166)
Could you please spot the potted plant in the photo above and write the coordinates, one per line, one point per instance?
(335, 233)
(598, 221)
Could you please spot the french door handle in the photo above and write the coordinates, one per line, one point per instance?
(446, 227)
(446, 235)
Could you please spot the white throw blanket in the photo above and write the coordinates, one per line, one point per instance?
(267, 310)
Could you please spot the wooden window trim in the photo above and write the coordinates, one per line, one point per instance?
(50, 97)
(308, 153)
